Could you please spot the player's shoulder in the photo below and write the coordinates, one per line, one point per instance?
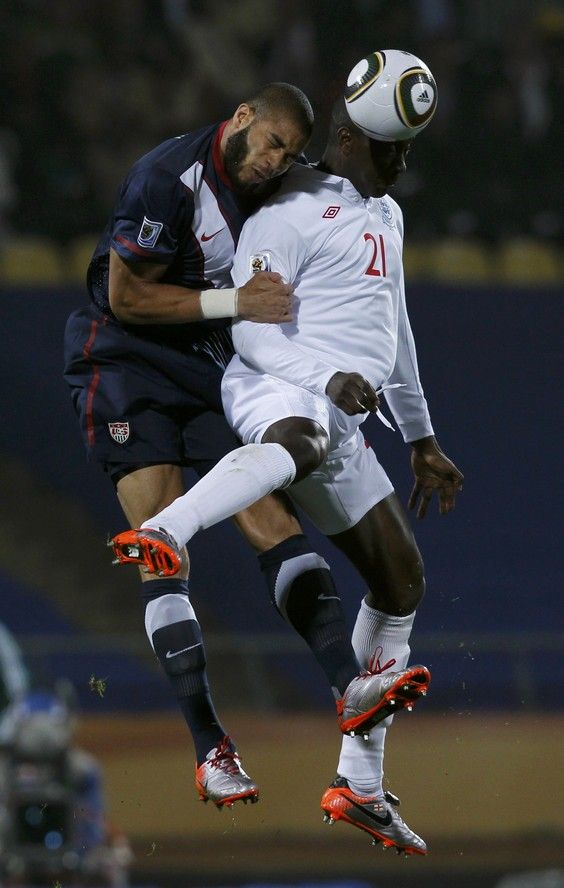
(391, 212)
(394, 206)
(301, 191)
(173, 156)
(307, 182)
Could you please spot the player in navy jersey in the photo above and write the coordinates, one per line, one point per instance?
(144, 361)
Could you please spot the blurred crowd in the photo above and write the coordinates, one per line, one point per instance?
(86, 88)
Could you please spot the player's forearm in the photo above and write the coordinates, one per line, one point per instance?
(138, 295)
(156, 303)
(407, 403)
(410, 411)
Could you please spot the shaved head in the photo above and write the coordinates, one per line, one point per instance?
(284, 99)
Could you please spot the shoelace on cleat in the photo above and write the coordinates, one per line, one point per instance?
(374, 665)
(225, 758)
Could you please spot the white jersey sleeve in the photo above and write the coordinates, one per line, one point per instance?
(408, 404)
(264, 347)
(269, 242)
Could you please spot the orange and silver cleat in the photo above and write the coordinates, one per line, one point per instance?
(373, 696)
(222, 780)
(375, 815)
(153, 550)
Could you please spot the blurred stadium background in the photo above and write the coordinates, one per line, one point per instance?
(86, 88)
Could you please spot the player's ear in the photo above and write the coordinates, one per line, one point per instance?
(345, 139)
(243, 116)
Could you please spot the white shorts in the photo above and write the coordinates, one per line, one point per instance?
(347, 484)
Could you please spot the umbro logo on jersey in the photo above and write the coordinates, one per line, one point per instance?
(330, 212)
(119, 431)
(149, 233)
(207, 237)
(424, 97)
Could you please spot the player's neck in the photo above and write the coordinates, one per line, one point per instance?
(334, 164)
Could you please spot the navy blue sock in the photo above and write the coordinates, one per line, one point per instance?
(179, 647)
(303, 592)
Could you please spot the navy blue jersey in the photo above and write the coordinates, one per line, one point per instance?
(176, 207)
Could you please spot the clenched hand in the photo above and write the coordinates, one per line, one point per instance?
(352, 393)
(266, 299)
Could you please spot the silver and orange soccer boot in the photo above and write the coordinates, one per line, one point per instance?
(374, 695)
(153, 550)
(375, 815)
(222, 780)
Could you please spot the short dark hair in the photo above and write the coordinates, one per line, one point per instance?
(287, 98)
(339, 117)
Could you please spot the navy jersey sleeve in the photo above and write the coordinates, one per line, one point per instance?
(151, 217)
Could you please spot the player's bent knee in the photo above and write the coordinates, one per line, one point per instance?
(305, 440)
(401, 592)
(311, 453)
(410, 597)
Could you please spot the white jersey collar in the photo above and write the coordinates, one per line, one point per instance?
(344, 186)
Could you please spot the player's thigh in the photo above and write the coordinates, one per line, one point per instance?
(268, 522)
(383, 549)
(128, 392)
(254, 401)
(344, 488)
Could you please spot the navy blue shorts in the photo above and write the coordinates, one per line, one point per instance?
(140, 402)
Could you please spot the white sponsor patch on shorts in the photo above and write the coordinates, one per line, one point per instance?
(259, 262)
(149, 233)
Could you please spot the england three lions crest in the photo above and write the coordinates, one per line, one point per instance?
(259, 262)
(386, 211)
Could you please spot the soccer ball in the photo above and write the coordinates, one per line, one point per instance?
(391, 95)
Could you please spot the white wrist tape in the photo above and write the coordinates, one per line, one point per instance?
(219, 303)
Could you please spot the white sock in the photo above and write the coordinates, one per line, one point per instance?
(385, 637)
(236, 482)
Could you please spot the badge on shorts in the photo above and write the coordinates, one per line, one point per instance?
(119, 431)
(259, 262)
(149, 233)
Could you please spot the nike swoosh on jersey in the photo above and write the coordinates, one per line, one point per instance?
(170, 654)
(323, 597)
(207, 237)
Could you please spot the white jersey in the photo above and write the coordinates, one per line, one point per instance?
(343, 254)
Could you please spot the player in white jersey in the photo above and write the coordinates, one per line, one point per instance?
(297, 395)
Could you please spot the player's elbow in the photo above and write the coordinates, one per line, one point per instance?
(239, 333)
(122, 305)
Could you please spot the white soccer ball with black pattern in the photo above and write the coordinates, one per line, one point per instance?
(391, 95)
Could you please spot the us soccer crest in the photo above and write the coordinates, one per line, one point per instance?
(119, 431)
(149, 233)
(259, 262)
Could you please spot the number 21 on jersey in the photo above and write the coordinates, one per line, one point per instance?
(377, 265)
